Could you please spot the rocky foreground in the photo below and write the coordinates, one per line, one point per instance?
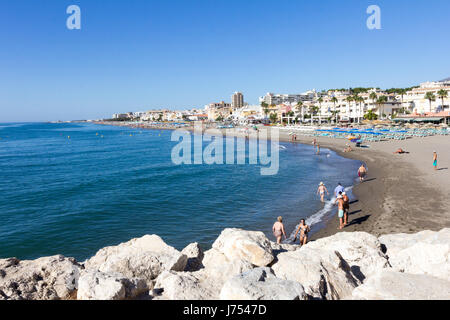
(243, 265)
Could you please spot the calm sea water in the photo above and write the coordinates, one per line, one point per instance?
(106, 185)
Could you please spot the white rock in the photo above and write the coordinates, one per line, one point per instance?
(399, 241)
(361, 250)
(324, 274)
(186, 286)
(48, 278)
(194, 255)
(96, 285)
(218, 266)
(391, 285)
(261, 284)
(250, 246)
(424, 258)
(145, 258)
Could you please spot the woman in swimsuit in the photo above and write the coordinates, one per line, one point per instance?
(278, 229)
(303, 228)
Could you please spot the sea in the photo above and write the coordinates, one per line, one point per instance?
(74, 188)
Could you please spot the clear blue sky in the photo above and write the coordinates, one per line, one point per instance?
(137, 55)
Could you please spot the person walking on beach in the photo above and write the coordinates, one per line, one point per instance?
(346, 207)
(278, 229)
(303, 228)
(362, 171)
(338, 189)
(318, 149)
(321, 190)
(340, 202)
(435, 160)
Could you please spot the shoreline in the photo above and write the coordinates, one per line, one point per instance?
(400, 194)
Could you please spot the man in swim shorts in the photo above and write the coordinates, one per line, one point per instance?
(340, 202)
(362, 171)
(346, 207)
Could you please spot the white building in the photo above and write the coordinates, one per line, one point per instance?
(415, 101)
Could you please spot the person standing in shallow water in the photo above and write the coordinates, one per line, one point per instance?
(321, 190)
(278, 230)
(435, 160)
(340, 202)
(346, 207)
(303, 228)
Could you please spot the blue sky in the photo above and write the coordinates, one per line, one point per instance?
(137, 55)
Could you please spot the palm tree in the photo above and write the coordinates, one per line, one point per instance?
(273, 117)
(360, 100)
(300, 107)
(373, 96)
(335, 100)
(430, 97)
(401, 92)
(349, 100)
(442, 94)
(356, 99)
(320, 100)
(313, 112)
(381, 101)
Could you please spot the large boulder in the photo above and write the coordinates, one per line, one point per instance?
(250, 246)
(424, 258)
(172, 285)
(392, 285)
(96, 285)
(361, 250)
(48, 278)
(324, 274)
(394, 243)
(194, 254)
(261, 284)
(145, 258)
(426, 252)
(204, 284)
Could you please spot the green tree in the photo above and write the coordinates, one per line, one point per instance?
(442, 94)
(430, 97)
(370, 115)
(380, 102)
(335, 100)
(273, 117)
(320, 100)
(300, 109)
(349, 99)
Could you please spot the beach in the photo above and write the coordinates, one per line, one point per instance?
(401, 194)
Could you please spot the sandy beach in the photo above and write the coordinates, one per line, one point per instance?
(402, 193)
